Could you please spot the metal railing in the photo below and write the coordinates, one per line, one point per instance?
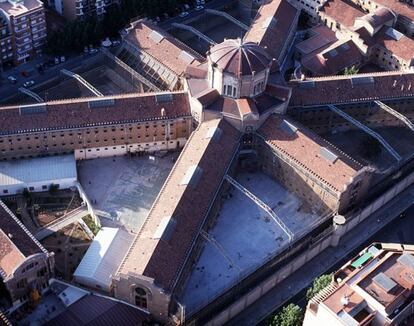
(228, 17)
(194, 31)
(262, 205)
(369, 131)
(396, 114)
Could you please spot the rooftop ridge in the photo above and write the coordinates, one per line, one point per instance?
(176, 40)
(75, 100)
(3, 205)
(342, 77)
(134, 242)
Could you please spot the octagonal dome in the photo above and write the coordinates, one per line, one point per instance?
(239, 58)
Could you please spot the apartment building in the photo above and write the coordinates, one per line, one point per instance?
(80, 9)
(23, 30)
(374, 288)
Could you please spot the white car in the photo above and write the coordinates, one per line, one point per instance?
(184, 14)
(93, 51)
(28, 83)
(198, 8)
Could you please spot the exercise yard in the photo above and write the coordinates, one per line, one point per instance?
(245, 236)
(368, 151)
(123, 189)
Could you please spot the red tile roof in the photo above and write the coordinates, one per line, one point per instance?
(95, 310)
(16, 242)
(272, 25)
(162, 46)
(342, 11)
(321, 37)
(400, 8)
(335, 58)
(303, 147)
(402, 48)
(355, 88)
(74, 113)
(187, 204)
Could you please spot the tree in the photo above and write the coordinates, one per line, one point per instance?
(291, 315)
(351, 70)
(318, 284)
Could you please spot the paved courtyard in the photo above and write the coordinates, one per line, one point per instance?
(245, 236)
(123, 189)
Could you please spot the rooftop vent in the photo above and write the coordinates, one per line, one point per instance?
(192, 176)
(365, 80)
(214, 133)
(32, 109)
(165, 229)
(407, 260)
(394, 34)
(333, 53)
(328, 155)
(164, 97)
(288, 127)
(96, 104)
(307, 84)
(345, 46)
(384, 282)
(156, 37)
(186, 57)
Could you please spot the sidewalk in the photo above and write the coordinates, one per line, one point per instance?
(325, 261)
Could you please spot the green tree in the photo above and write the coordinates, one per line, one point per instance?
(351, 70)
(318, 284)
(291, 315)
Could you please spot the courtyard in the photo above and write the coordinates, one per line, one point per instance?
(245, 236)
(123, 189)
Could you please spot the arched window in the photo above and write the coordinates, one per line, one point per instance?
(140, 297)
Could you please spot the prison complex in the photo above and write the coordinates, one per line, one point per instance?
(231, 109)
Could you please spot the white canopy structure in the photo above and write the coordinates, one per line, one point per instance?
(103, 258)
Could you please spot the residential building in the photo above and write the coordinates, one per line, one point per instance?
(23, 30)
(81, 9)
(374, 288)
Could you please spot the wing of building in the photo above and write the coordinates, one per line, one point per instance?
(25, 266)
(274, 27)
(156, 55)
(96, 127)
(164, 245)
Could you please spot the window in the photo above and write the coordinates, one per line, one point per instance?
(229, 90)
(140, 297)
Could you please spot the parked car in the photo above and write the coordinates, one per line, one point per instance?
(116, 43)
(184, 14)
(28, 83)
(92, 51)
(12, 79)
(57, 60)
(62, 58)
(199, 7)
